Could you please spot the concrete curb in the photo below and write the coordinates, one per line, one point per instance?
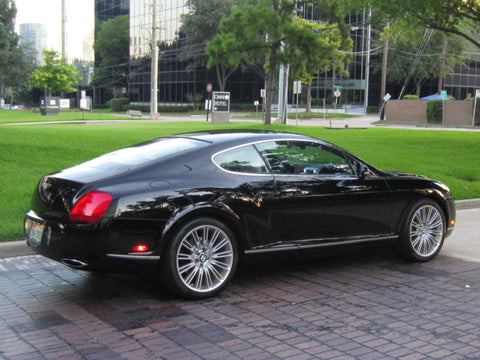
(19, 248)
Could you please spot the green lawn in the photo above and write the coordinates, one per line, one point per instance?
(18, 116)
(28, 152)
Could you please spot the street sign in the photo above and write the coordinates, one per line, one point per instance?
(262, 93)
(477, 93)
(387, 97)
(297, 87)
(443, 94)
(338, 87)
(337, 93)
(221, 101)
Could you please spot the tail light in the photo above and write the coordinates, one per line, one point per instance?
(91, 207)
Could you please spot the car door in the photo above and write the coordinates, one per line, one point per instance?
(321, 197)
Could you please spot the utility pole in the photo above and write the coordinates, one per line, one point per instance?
(383, 89)
(367, 63)
(64, 30)
(154, 72)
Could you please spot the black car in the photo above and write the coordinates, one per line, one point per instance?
(189, 206)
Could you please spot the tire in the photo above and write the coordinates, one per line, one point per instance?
(201, 259)
(423, 232)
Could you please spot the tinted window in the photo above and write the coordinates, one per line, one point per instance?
(245, 159)
(300, 157)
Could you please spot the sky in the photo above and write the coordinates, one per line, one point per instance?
(80, 23)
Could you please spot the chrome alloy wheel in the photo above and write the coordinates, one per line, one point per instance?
(426, 230)
(204, 258)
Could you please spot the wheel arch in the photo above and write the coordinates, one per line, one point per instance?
(229, 219)
(431, 195)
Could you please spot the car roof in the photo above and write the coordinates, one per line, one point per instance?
(236, 137)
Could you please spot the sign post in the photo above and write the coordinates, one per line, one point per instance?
(443, 94)
(297, 89)
(477, 95)
(208, 102)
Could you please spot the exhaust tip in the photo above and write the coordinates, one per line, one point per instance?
(74, 263)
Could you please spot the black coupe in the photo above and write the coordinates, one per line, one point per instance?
(189, 206)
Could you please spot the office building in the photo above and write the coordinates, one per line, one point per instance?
(34, 37)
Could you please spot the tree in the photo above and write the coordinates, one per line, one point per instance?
(8, 40)
(404, 38)
(460, 17)
(55, 75)
(20, 64)
(112, 53)
(259, 30)
(199, 26)
(331, 53)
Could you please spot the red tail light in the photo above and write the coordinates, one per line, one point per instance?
(91, 207)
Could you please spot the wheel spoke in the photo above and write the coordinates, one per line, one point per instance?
(204, 258)
(426, 230)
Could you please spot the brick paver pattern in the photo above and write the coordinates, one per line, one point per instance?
(367, 305)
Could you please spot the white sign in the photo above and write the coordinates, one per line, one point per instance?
(337, 93)
(262, 93)
(297, 87)
(208, 104)
(477, 93)
(221, 101)
(387, 97)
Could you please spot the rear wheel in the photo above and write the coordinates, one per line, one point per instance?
(201, 259)
(423, 232)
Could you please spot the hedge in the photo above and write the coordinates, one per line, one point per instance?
(118, 103)
(435, 111)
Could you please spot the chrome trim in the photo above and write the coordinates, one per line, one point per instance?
(253, 143)
(296, 246)
(134, 257)
(74, 263)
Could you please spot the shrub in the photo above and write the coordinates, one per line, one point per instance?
(410, 97)
(435, 111)
(118, 103)
(145, 108)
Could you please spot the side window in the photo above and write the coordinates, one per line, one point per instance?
(304, 158)
(245, 160)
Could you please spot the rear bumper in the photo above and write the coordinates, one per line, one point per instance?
(91, 246)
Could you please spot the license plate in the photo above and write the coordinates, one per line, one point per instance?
(36, 233)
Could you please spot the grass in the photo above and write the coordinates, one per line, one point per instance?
(305, 115)
(19, 116)
(29, 152)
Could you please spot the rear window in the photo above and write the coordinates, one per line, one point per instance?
(146, 152)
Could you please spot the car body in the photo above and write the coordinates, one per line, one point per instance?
(190, 205)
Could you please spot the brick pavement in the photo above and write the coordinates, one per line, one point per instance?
(360, 304)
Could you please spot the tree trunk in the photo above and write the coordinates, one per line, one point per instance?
(309, 98)
(220, 76)
(272, 70)
(441, 73)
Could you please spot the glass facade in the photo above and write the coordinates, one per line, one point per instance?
(109, 9)
(463, 81)
(35, 36)
(176, 80)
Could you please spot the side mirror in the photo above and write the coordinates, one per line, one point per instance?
(362, 170)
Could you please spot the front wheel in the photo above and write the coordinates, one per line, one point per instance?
(423, 232)
(201, 258)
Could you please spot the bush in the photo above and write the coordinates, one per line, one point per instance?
(410, 97)
(118, 103)
(435, 111)
(145, 108)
